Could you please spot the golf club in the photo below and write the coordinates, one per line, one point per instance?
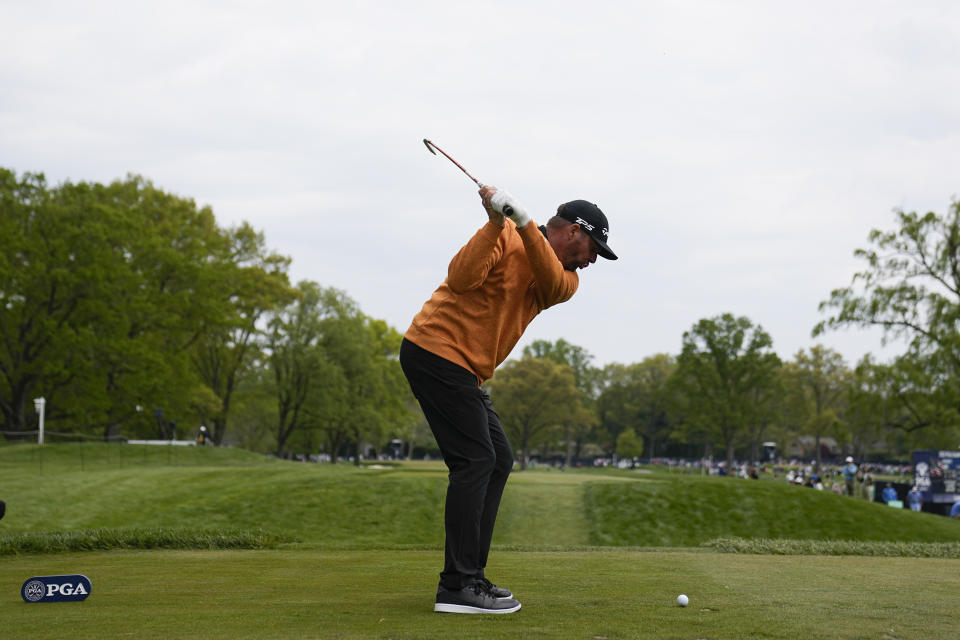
(431, 146)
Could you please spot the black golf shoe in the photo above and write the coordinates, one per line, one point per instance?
(474, 598)
(495, 591)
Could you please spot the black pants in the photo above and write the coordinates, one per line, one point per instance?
(475, 450)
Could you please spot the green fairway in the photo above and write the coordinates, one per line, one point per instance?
(354, 552)
(388, 594)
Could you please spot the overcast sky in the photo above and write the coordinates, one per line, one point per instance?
(741, 150)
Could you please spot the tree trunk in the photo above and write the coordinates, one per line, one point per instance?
(730, 450)
(817, 447)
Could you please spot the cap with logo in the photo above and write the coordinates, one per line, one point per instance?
(591, 220)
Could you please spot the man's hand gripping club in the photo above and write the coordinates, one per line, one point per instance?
(500, 204)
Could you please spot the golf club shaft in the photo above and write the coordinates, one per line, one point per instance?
(431, 146)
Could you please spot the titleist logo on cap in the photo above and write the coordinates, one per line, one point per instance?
(589, 227)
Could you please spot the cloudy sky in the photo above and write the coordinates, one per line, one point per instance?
(741, 150)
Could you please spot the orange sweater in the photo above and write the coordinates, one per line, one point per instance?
(496, 284)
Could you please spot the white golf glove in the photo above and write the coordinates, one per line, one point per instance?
(503, 202)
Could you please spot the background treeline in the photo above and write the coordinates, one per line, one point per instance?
(135, 315)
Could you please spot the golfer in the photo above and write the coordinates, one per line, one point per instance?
(506, 274)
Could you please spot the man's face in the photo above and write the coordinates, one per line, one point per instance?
(578, 250)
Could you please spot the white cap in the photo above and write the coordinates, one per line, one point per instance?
(849, 459)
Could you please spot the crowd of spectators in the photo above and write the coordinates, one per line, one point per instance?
(843, 478)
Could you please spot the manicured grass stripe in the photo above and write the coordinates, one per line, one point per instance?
(110, 539)
(681, 511)
(340, 506)
(364, 595)
(98, 456)
(837, 548)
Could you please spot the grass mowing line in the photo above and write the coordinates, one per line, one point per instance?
(124, 539)
(110, 539)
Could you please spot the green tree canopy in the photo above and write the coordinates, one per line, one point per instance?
(578, 426)
(256, 282)
(824, 379)
(585, 375)
(105, 290)
(533, 396)
(910, 288)
(724, 362)
(629, 445)
(637, 397)
(909, 404)
(336, 372)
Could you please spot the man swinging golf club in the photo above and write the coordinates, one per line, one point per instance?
(507, 273)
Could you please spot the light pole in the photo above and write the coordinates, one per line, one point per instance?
(39, 404)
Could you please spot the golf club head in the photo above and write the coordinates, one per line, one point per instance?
(432, 148)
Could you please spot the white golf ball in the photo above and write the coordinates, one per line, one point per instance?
(683, 600)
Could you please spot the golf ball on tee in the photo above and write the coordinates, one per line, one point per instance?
(683, 600)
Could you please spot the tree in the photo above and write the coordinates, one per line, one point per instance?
(724, 361)
(104, 290)
(824, 376)
(255, 283)
(866, 400)
(398, 413)
(910, 400)
(586, 378)
(172, 298)
(652, 375)
(618, 408)
(767, 413)
(629, 445)
(336, 371)
(636, 396)
(910, 288)
(52, 285)
(298, 363)
(253, 413)
(376, 385)
(532, 397)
